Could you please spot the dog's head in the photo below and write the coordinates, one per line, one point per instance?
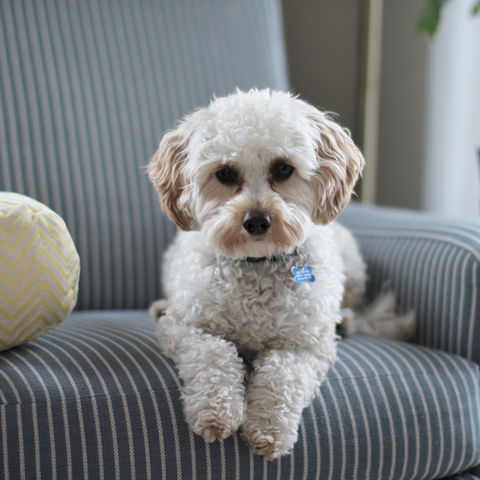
(254, 170)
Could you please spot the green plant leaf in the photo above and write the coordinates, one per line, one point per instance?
(430, 17)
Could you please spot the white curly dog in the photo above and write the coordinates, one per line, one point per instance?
(259, 271)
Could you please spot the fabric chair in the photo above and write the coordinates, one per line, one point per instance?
(86, 90)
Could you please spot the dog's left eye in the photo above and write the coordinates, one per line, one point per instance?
(282, 171)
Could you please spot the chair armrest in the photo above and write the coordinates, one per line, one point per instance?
(432, 263)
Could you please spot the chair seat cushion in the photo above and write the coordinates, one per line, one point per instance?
(95, 398)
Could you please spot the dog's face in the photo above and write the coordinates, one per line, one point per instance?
(253, 170)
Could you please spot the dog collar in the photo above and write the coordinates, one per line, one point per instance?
(270, 259)
(303, 274)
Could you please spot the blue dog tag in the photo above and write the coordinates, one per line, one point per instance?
(303, 275)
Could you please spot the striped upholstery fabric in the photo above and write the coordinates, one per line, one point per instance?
(94, 398)
(86, 90)
(433, 264)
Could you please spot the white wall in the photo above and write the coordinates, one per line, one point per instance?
(452, 174)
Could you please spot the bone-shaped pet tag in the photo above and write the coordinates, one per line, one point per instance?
(303, 275)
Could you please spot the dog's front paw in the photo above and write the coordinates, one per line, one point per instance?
(268, 440)
(213, 391)
(214, 425)
(215, 416)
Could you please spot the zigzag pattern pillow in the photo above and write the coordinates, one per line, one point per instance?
(39, 269)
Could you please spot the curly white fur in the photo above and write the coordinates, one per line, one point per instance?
(222, 307)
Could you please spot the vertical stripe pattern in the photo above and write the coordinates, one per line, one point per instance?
(433, 265)
(86, 89)
(94, 398)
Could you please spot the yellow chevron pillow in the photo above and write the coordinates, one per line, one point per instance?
(39, 269)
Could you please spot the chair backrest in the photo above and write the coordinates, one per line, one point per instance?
(86, 90)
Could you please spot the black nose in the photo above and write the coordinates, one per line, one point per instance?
(256, 223)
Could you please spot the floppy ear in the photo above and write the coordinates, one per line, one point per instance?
(340, 163)
(166, 171)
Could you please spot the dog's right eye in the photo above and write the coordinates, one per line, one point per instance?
(226, 175)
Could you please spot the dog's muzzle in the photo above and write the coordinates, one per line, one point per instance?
(256, 223)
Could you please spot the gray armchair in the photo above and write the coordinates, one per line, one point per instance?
(86, 90)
